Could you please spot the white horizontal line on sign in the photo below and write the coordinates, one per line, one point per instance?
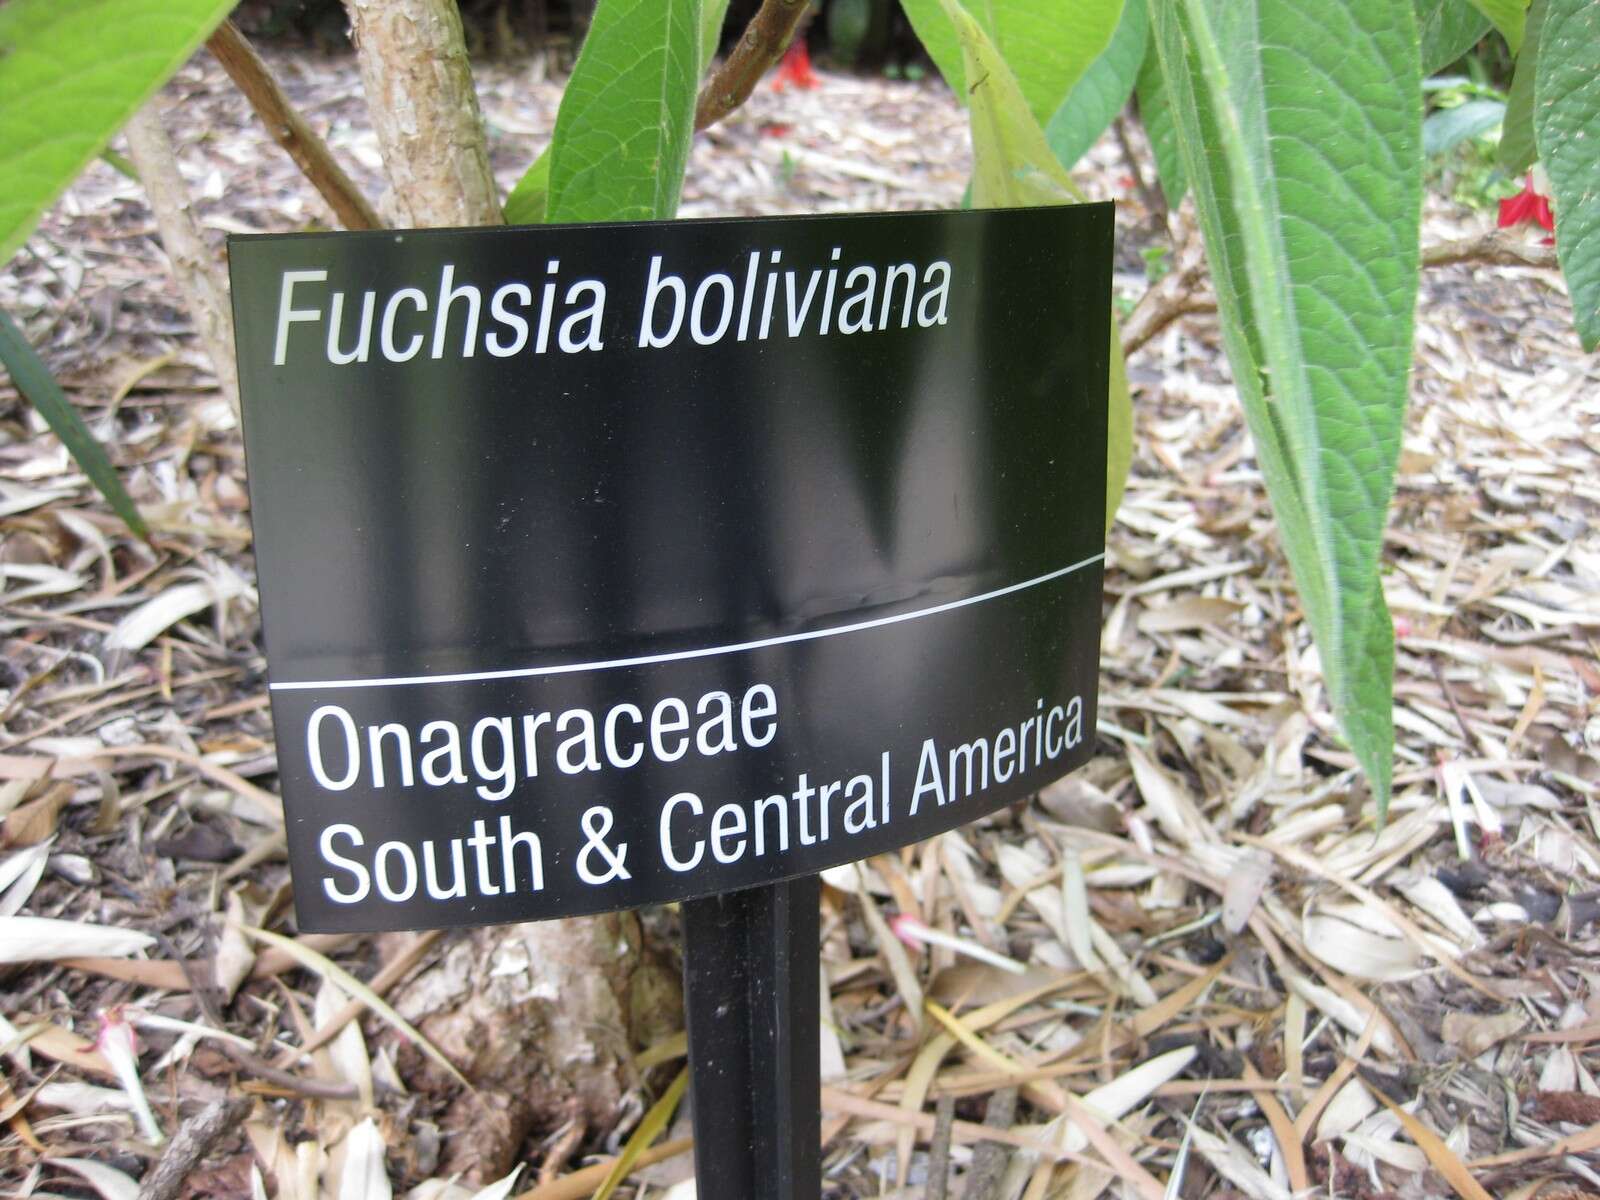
(645, 660)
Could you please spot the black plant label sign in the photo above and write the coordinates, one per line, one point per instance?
(604, 566)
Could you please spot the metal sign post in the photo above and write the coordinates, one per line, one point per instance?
(751, 970)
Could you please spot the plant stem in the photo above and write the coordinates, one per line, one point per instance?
(289, 129)
(414, 68)
(1506, 247)
(205, 293)
(763, 41)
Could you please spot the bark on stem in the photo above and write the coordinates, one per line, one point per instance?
(199, 280)
(764, 40)
(413, 58)
(289, 129)
(1505, 247)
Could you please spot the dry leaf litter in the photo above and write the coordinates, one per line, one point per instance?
(1194, 968)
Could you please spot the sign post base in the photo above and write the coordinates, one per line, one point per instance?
(750, 970)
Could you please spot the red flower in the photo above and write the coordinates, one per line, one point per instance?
(1528, 205)
(796, 69)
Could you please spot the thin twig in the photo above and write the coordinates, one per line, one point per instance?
(195, 270)
(989, 1158)
(939, 1149)
(1467, 730)
(1154, 201)
(763, 41)
(1503, 247)
(289, 129)
(1174, 295)
(192, 1143)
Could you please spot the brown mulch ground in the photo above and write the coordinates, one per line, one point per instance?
(1226, 962)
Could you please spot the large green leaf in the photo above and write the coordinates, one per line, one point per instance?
(1509, 17)
(1517, 150)
(622, 133)
(1099, 95)
(1300, 126)
(1014, 167)
(1047, 45)
(1566, 118)
(1155, 113)
(71, 73)
(34, 381)
(528, 202)
(1448, 29)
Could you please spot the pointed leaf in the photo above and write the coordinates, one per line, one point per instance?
(34, 381)
(1447, 128)
(1156, 114)
(365, 1175)
(1014, 167)
(111, 1183)
(1508, 16)
(501, 1188)
(161, 612)
(1047, 49)
(528, 201)
(1566, 119)
(71, 72)
(622, 133)
(1097, 98)
(712, 15)
(1309, 192)
(19, 875)
(46, 939)
(1447, 29)
(1517, 150)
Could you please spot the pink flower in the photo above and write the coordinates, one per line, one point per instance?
(119, 1045)
(796, 69)
(906, 929)
(916, 935)
(1528, 205)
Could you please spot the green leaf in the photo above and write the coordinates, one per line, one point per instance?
(71, 73)
(622, 133)
(529, 199)
(1156, 115)
(1517, 150)
(1448, 29)
(712, 15)
(1447, 128)
(1014, 167)
(1119, 426)
(1566, 119)
(1508, 16)
(34, 381)
(1047, 47)
(1300, 126)
(1098, 97)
